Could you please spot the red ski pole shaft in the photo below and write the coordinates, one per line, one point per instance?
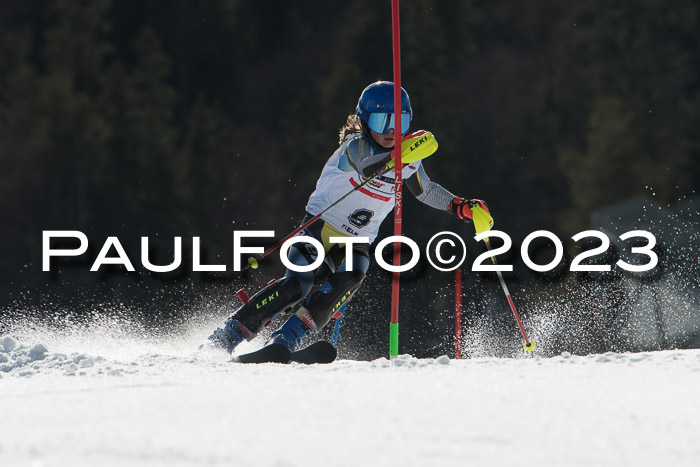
(528, 344)
(253, 262)
(281, 242)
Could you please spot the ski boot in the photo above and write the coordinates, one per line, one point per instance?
(257, 312)
(227, 338)
(297, 328)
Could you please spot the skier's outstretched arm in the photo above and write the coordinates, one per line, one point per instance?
(435, 196)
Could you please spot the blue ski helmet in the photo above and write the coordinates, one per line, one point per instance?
(376, 108)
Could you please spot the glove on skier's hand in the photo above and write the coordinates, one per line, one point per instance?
(473, 209)
(462, 208)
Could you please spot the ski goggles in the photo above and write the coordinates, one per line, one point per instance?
(383, 122)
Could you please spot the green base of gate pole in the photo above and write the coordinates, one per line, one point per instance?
(393, 339)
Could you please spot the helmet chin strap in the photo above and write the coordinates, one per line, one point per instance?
(365, 129)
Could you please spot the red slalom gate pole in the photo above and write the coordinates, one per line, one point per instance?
(458, 313)
(395, 280)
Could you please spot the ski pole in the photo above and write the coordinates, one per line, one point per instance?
(482, 223)
(528, 345)
(253, 262)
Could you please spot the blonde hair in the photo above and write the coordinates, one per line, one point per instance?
(352, 125)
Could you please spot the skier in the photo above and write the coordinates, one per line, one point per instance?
(366, 142)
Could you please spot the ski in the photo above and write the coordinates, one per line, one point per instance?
(318, 352)
(272, 353)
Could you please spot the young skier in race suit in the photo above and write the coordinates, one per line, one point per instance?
(366, 142)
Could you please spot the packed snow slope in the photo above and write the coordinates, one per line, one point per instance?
(94, 400)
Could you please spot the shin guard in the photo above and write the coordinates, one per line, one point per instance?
(262, 307)
(330, 297)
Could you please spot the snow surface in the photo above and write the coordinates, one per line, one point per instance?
(94, 400)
